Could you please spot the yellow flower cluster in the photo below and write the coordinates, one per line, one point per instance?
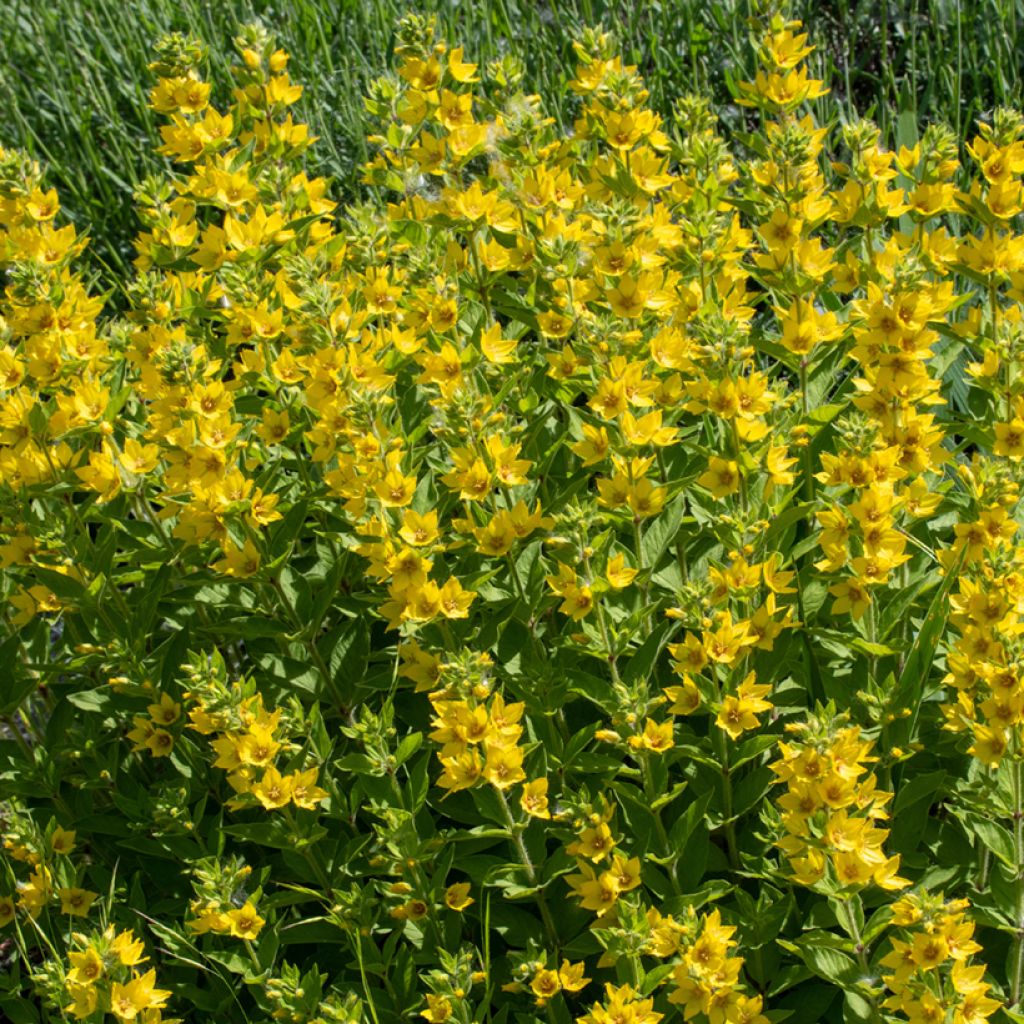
(932, 974)
(247, 748)
(600, 892)
(222, 905)
(53, 880)
(984, 667)
(546, 982)
(102, 977)
(622, 1003)
(830, 812)
(707, 978)
(147, 733)
(479, 741)
(543, 982)
(242, 922)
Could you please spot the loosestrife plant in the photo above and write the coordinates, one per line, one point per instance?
(579, 581)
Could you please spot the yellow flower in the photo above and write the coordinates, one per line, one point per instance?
(727, 640)
(165, 711)
(721, 478)
(101, 475)
(62, 841)
(990, 744)
(304, 790)
(159, 742)
(411, 910)
(274, 789)
(534, 799)
(595, 842)
(460, 771)
(86, 967)
(503, 766)
(245, 922)
(208, 919)
(84, 1000)
(138, 995)
(456, 897)
(127, 948)
(851, 596)
(554, 324)
(545, 984)
(496, 349)
(617, 573)
(656, 736)
(76, 901)
(238, 561)
(595, 892)
(685, 699)
(571, 976)
(439, 1009)
(739, 712)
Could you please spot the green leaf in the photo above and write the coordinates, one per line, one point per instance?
(409, 745)
(819, 952)
(17, 1010)
(276, 834)
(641, 665)
(661, 533)
(858, 1010)
(92, 700)
(291, 673)
(346, 650)
(15, 690)
(994, 836)
(911, 686)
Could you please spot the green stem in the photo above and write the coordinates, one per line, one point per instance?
(737, 452)
(310, 644)
(651, 795)
(872, 631)
(684, 570)
(144, 511)
(1018, 857)
(853, 930)
(304, 851)
(252, 956)
(806, 453)
(531, 622)
(605, 636)
(516, 835)
(358, 938)
(722, 743)
(12, 728)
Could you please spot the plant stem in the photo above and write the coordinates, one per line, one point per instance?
(13, 728)
(722, 744)
(358, 938)
(605, 637)
(861, 950)
(516, 835)
(1018, 858)
(650, 792)
(307, 856)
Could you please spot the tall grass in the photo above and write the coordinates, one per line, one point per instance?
(73, 78)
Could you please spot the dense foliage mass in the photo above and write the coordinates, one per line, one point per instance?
(580, 582)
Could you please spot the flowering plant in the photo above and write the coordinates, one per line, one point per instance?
(578, 580)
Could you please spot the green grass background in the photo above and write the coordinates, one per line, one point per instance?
(74, 83)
